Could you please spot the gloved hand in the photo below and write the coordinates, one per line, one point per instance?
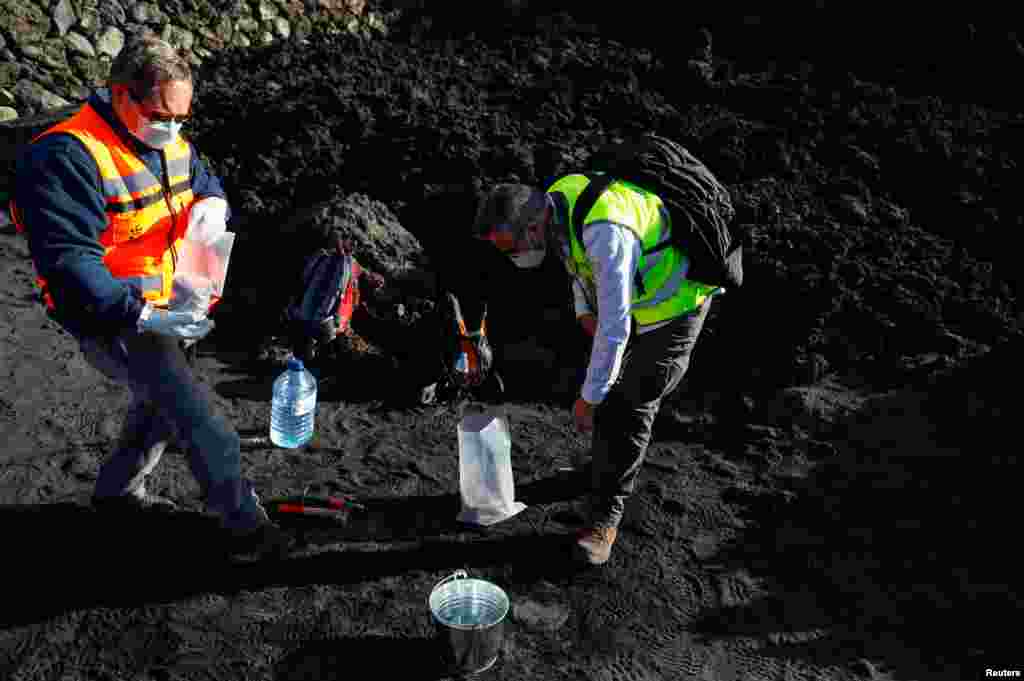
(177, 324)
(190, 293)
(207, 221)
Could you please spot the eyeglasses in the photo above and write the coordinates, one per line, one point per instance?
(157, 116)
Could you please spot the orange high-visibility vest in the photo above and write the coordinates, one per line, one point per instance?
(145, 221)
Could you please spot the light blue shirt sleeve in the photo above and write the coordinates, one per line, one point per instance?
(580, 302)
(614, 253)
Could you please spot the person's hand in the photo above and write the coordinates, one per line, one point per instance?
(207, 220)
(583, 415)
(177, 324)
(589, 323)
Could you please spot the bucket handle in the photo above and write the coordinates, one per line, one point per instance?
(458, 574)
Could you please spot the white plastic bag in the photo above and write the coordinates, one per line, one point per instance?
(190, 293)
(486, 484)
(198, 261)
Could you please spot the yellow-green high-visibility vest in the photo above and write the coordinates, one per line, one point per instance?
(661, 290)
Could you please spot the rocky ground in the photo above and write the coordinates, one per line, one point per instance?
(829, 496)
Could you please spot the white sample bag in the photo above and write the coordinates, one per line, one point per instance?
(198, 261)
(485, 467)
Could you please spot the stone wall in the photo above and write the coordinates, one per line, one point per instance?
(53, 51)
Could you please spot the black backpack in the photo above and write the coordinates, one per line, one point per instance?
(699, 206)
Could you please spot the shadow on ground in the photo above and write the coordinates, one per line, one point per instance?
(894, 552)
(182, 556)
(337, 658)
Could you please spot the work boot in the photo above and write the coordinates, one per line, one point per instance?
(594, 544)
(134, 503)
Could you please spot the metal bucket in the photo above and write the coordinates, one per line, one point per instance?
(468, 619)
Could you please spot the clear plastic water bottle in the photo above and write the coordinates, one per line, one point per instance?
(462, 363)
(293, 407)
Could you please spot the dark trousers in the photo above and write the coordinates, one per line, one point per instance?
(654, 364)
(170, 403)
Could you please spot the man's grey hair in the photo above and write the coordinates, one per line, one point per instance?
(146, 61)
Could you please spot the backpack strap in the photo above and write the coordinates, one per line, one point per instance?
(596, 186)
(585, 202)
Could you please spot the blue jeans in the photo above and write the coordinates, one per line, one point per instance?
(169, 403)
(653, 366)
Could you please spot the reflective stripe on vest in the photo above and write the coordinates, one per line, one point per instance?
(145, 224)
(665, 292)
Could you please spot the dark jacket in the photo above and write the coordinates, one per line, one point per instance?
(59, 197)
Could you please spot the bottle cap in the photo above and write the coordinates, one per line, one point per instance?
(295, 364)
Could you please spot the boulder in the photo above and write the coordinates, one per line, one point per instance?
(377, 239)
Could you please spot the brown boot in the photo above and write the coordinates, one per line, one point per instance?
(594, 544)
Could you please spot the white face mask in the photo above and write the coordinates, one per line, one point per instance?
(157, 134)
(528, 259)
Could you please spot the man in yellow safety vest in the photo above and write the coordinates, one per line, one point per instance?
(634, 300)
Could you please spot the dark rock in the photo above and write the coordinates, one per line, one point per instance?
(24, 21)
(148, 13)
(89, 20)
(93, 71)
(49, 53)
(378, 241)
(80, 45)
(64, 16)
(37, 98)
(112, 12)
(110, 41)
(9, 70)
